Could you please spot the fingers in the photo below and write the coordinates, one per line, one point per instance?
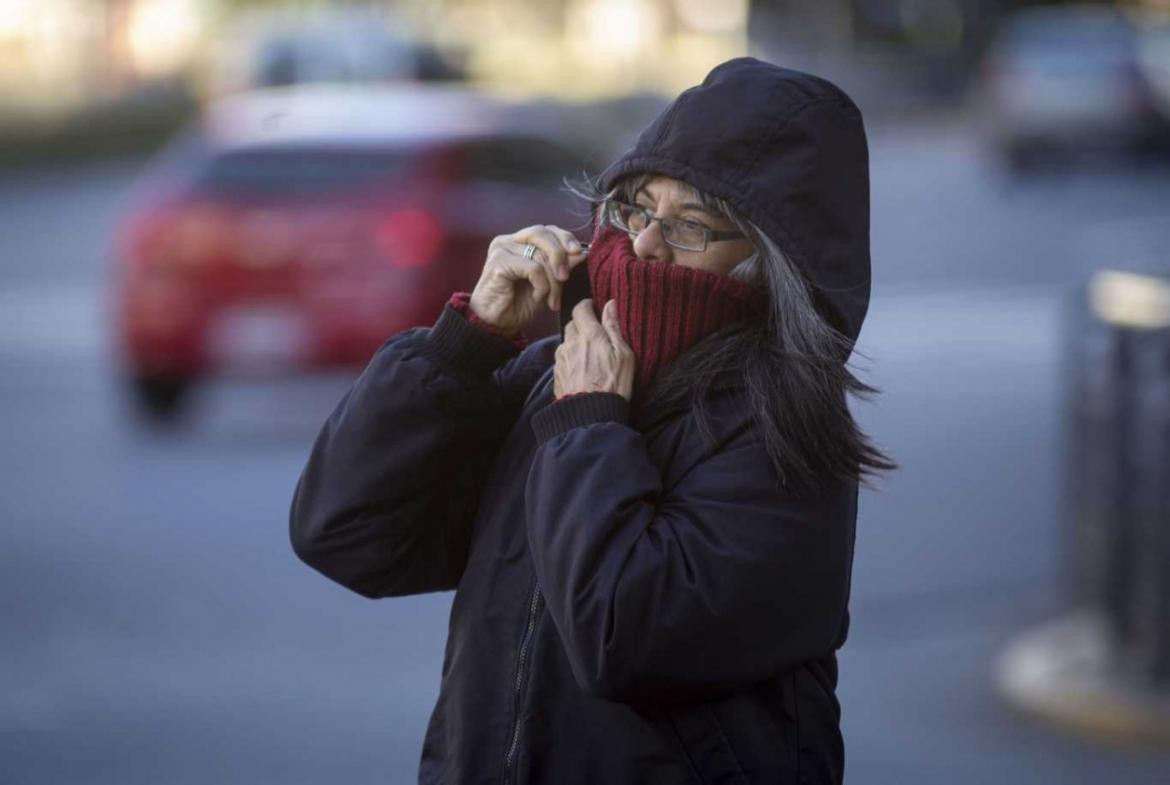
(550, 253)
(508, 257)
(583, 313)
(560, 248)
(575, 252)
(612, 364)
(548, 267)
(537, 275)
(538, 267)
(586, 320)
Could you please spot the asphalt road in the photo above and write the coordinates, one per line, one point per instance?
(156, 626)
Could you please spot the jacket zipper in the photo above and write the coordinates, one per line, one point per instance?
(526, 639)
(524, 642)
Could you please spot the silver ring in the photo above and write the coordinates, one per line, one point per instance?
(529, 251)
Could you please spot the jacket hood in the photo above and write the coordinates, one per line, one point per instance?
(786, 149)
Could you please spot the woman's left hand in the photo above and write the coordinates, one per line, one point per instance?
(594, 357)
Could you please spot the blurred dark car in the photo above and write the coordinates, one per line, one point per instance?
(1154, 61)
(1061, 80)
(363, 54)
(278, 46)
(298, 228)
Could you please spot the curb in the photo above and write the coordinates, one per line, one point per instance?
(1062, 672)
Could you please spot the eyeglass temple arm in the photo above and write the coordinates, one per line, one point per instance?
(728, 235)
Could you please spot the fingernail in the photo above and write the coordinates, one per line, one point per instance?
(574, 245)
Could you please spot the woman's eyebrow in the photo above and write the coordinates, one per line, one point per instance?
(684, 206)
(698, 207)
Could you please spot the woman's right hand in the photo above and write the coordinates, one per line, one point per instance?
(511, 289)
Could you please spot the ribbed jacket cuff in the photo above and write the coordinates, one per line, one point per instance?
(574, 411)
(457, 343)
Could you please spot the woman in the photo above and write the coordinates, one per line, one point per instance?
(649, 526)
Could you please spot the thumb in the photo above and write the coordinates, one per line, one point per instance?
(609, 320)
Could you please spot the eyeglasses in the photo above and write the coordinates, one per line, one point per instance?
(678, 233)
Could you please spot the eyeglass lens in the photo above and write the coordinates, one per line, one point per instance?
(681, 234)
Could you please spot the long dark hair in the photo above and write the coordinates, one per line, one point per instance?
(794, 378)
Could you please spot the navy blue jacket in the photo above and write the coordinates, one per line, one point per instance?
(630, 607)
(632, 604)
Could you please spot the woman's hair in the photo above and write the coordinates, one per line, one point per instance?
(795, 380)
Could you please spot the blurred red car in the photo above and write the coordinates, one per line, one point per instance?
(301, 227)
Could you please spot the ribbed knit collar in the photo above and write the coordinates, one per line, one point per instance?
(664, 309)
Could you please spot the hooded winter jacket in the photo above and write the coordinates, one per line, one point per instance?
(632, 603)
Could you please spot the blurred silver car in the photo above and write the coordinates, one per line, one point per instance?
(1065, 79)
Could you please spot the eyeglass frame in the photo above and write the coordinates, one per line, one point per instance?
(709, 235)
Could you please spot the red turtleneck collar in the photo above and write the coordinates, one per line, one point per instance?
(664, 309)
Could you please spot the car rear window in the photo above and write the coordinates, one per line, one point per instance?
(528, 161)
(294, 171)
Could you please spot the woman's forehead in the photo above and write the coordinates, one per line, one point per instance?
(661, 185)
(681, 194)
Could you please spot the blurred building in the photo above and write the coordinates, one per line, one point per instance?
(57, 53)
(586, 48)
(62, 52)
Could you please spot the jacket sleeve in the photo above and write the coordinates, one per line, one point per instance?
(385, 502)
(665, 595)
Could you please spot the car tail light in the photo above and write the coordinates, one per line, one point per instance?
(409, 237)
(188, 237)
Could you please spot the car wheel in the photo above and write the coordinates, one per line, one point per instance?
(159, 399)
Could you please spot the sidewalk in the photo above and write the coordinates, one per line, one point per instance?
(960, 552)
